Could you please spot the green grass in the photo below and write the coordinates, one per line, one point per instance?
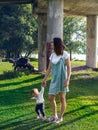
(17, 110)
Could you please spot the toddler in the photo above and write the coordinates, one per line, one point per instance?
(38, 96)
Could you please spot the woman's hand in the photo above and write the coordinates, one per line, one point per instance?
(44, 84)
(66, 83)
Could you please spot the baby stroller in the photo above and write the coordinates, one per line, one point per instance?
(23, 63)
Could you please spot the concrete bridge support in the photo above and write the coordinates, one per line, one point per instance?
(92, 41)
(42, 32)
(50, 26)
(55, 19)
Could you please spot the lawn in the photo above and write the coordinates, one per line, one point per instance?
(17, 111)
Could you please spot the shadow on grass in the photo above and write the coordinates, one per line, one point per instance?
(20, 94)
(81, 108)
(8, 75)
(35, 124)
(83, 86)
(20, 82)
(12, 74)
(25, 124)
(80, 68)
(7, 121)
(75, 120)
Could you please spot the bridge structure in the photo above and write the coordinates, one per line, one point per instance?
(50, 23)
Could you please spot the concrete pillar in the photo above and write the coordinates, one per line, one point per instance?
(55, 19)
(91, 57)
(42, 27)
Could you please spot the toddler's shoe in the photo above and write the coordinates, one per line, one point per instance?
(39, 117)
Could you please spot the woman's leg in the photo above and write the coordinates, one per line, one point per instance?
(62, 97)
(53, 105)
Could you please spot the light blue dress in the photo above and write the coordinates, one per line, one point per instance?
(59, 71)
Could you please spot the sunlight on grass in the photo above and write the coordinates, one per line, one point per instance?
(5, 66)
(19, 83)
(17, 111)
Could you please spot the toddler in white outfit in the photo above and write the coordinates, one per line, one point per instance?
(39, 108)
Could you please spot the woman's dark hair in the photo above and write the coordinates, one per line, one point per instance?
(58, 46)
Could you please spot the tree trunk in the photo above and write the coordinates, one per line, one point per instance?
(70, 54)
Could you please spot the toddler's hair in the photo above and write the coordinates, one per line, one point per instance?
(34, 90)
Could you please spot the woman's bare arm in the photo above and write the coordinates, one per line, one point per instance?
(68, 72)
(46, 75)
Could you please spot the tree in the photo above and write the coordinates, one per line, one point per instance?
(75, 34)
(16, 30)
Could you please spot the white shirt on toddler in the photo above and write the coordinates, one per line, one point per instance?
(39, 98)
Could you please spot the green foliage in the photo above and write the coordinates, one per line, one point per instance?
(18, 111)
(75, 34)
(16, 29)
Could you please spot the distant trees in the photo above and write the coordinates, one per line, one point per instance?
(17, 28)
(75, 34)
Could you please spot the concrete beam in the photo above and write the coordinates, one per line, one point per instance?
(7, 2)
(71, 7)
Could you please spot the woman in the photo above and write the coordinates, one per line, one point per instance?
(61, 71)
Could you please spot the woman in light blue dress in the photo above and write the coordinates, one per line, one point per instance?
(61, 71)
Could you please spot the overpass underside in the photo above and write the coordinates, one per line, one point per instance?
(71, 7)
